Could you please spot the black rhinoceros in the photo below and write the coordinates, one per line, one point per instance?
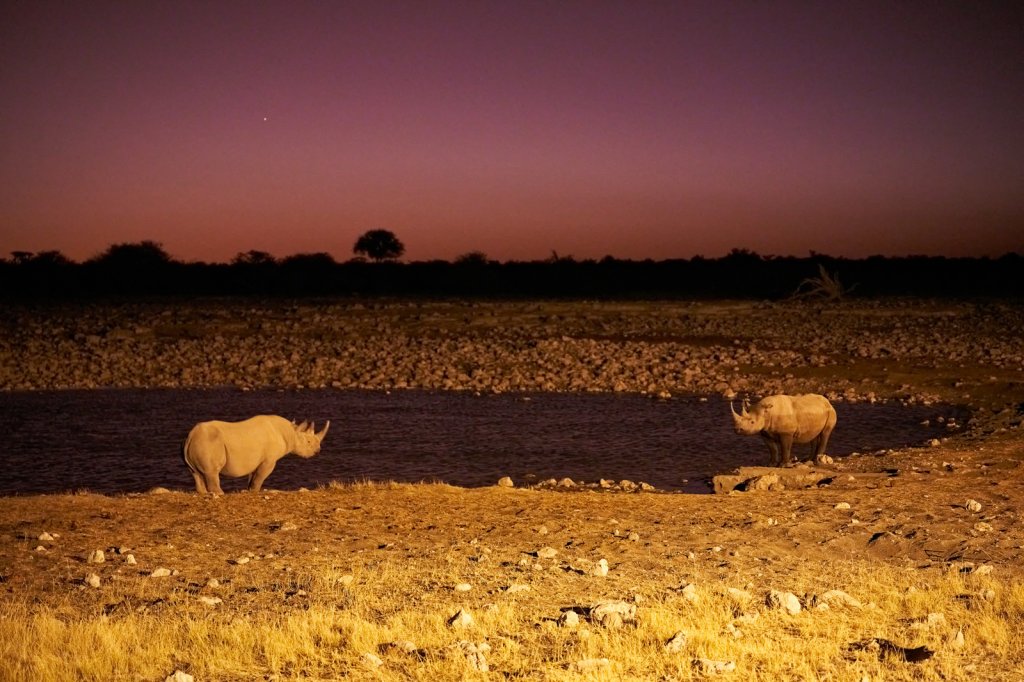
(786, 419)
(246, 448)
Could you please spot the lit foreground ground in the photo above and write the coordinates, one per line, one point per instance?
(363, 581)
(340, 582)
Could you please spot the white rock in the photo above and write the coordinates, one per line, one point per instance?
(210, 601)
(517, 587)
(506, 482)
(676, 643)
(92, 580)
(97, 557)
(839, 597)
(160, 573)
(569, 619)
(45, 537)
(600, 569)
(633, 537)
(710, 667)
(371, 660)
(461, 619)
(242, 560)
(285, 527)
(612, 613)
(547, 553)
(738, 595)
(130, 560)
(213, 583)
(591, 665)
(40, 548)
(475, 654)
(179, 676)
(690, 593)
(842, 505)
(346, 580)
(973, 506)
(463, 587)
(984, 569)
(785, 601)
(983, 527)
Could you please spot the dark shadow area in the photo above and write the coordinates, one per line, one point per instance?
(144, 269)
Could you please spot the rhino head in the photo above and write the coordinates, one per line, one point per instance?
(747, 423)
(307, 440)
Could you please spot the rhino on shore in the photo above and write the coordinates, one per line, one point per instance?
(246, 448)
(786, 419)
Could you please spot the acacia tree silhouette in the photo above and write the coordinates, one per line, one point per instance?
(379, 245)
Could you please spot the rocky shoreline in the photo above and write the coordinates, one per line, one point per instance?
(960, 352)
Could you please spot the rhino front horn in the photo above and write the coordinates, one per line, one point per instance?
(320, 436)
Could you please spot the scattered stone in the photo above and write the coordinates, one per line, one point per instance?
(475, 654)
(159, 491)
(984, 569)
(506, 482)
(934, 442)
(600, 569)
(160, 573)
(973, 506)
(676, 643)
(285, 527)
(785, 601)
(130, 560)
(569, 619)
(646, 487)
(371, 660)
(463, 587)
(706, 666)
(241, 561)
(210, 601)
(179, 676)
(842, 505)
(518, 587)
(92, 580)
(40, 548)
(213, 583)
(45, 537)
(983, 527)
(346, 580)
(542, 530)
(738, 595)
(97, 557)
(566, 483)
(833, 597)
(689, 593)
(823, 460)
(612, 614)
(591, 665)
(461, 619)
(633, 536)
(546, 553)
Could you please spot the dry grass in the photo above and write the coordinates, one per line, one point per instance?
(328, 637)
(332, 591)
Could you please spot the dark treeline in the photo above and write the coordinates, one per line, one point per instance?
(144, 269)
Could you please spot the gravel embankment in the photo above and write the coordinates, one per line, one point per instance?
(909, 350)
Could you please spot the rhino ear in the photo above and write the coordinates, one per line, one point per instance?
(304, 426)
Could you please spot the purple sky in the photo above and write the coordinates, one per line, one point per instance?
(632, 129)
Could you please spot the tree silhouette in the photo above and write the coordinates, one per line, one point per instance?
(135, 256)
(379, 245)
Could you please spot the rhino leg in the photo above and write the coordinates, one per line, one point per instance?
(257, 477)
(773, 452)
(213, 483)
(786, 445)
(200, 483)
(822, 441)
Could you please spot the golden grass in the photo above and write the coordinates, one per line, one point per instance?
(327, 636)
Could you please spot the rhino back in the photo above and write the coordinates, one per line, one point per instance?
(249, 443)
(813, 412)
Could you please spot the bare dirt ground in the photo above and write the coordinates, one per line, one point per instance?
(953, 508)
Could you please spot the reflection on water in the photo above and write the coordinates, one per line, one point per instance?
(130, 440)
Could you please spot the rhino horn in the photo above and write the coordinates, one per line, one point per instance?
(735, 417)
(320, 436)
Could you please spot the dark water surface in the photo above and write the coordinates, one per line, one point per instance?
(113, 441)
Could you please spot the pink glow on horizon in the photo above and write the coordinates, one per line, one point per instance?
(590, 129)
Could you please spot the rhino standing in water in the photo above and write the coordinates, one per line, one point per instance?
(786, 419)
(246, 448)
